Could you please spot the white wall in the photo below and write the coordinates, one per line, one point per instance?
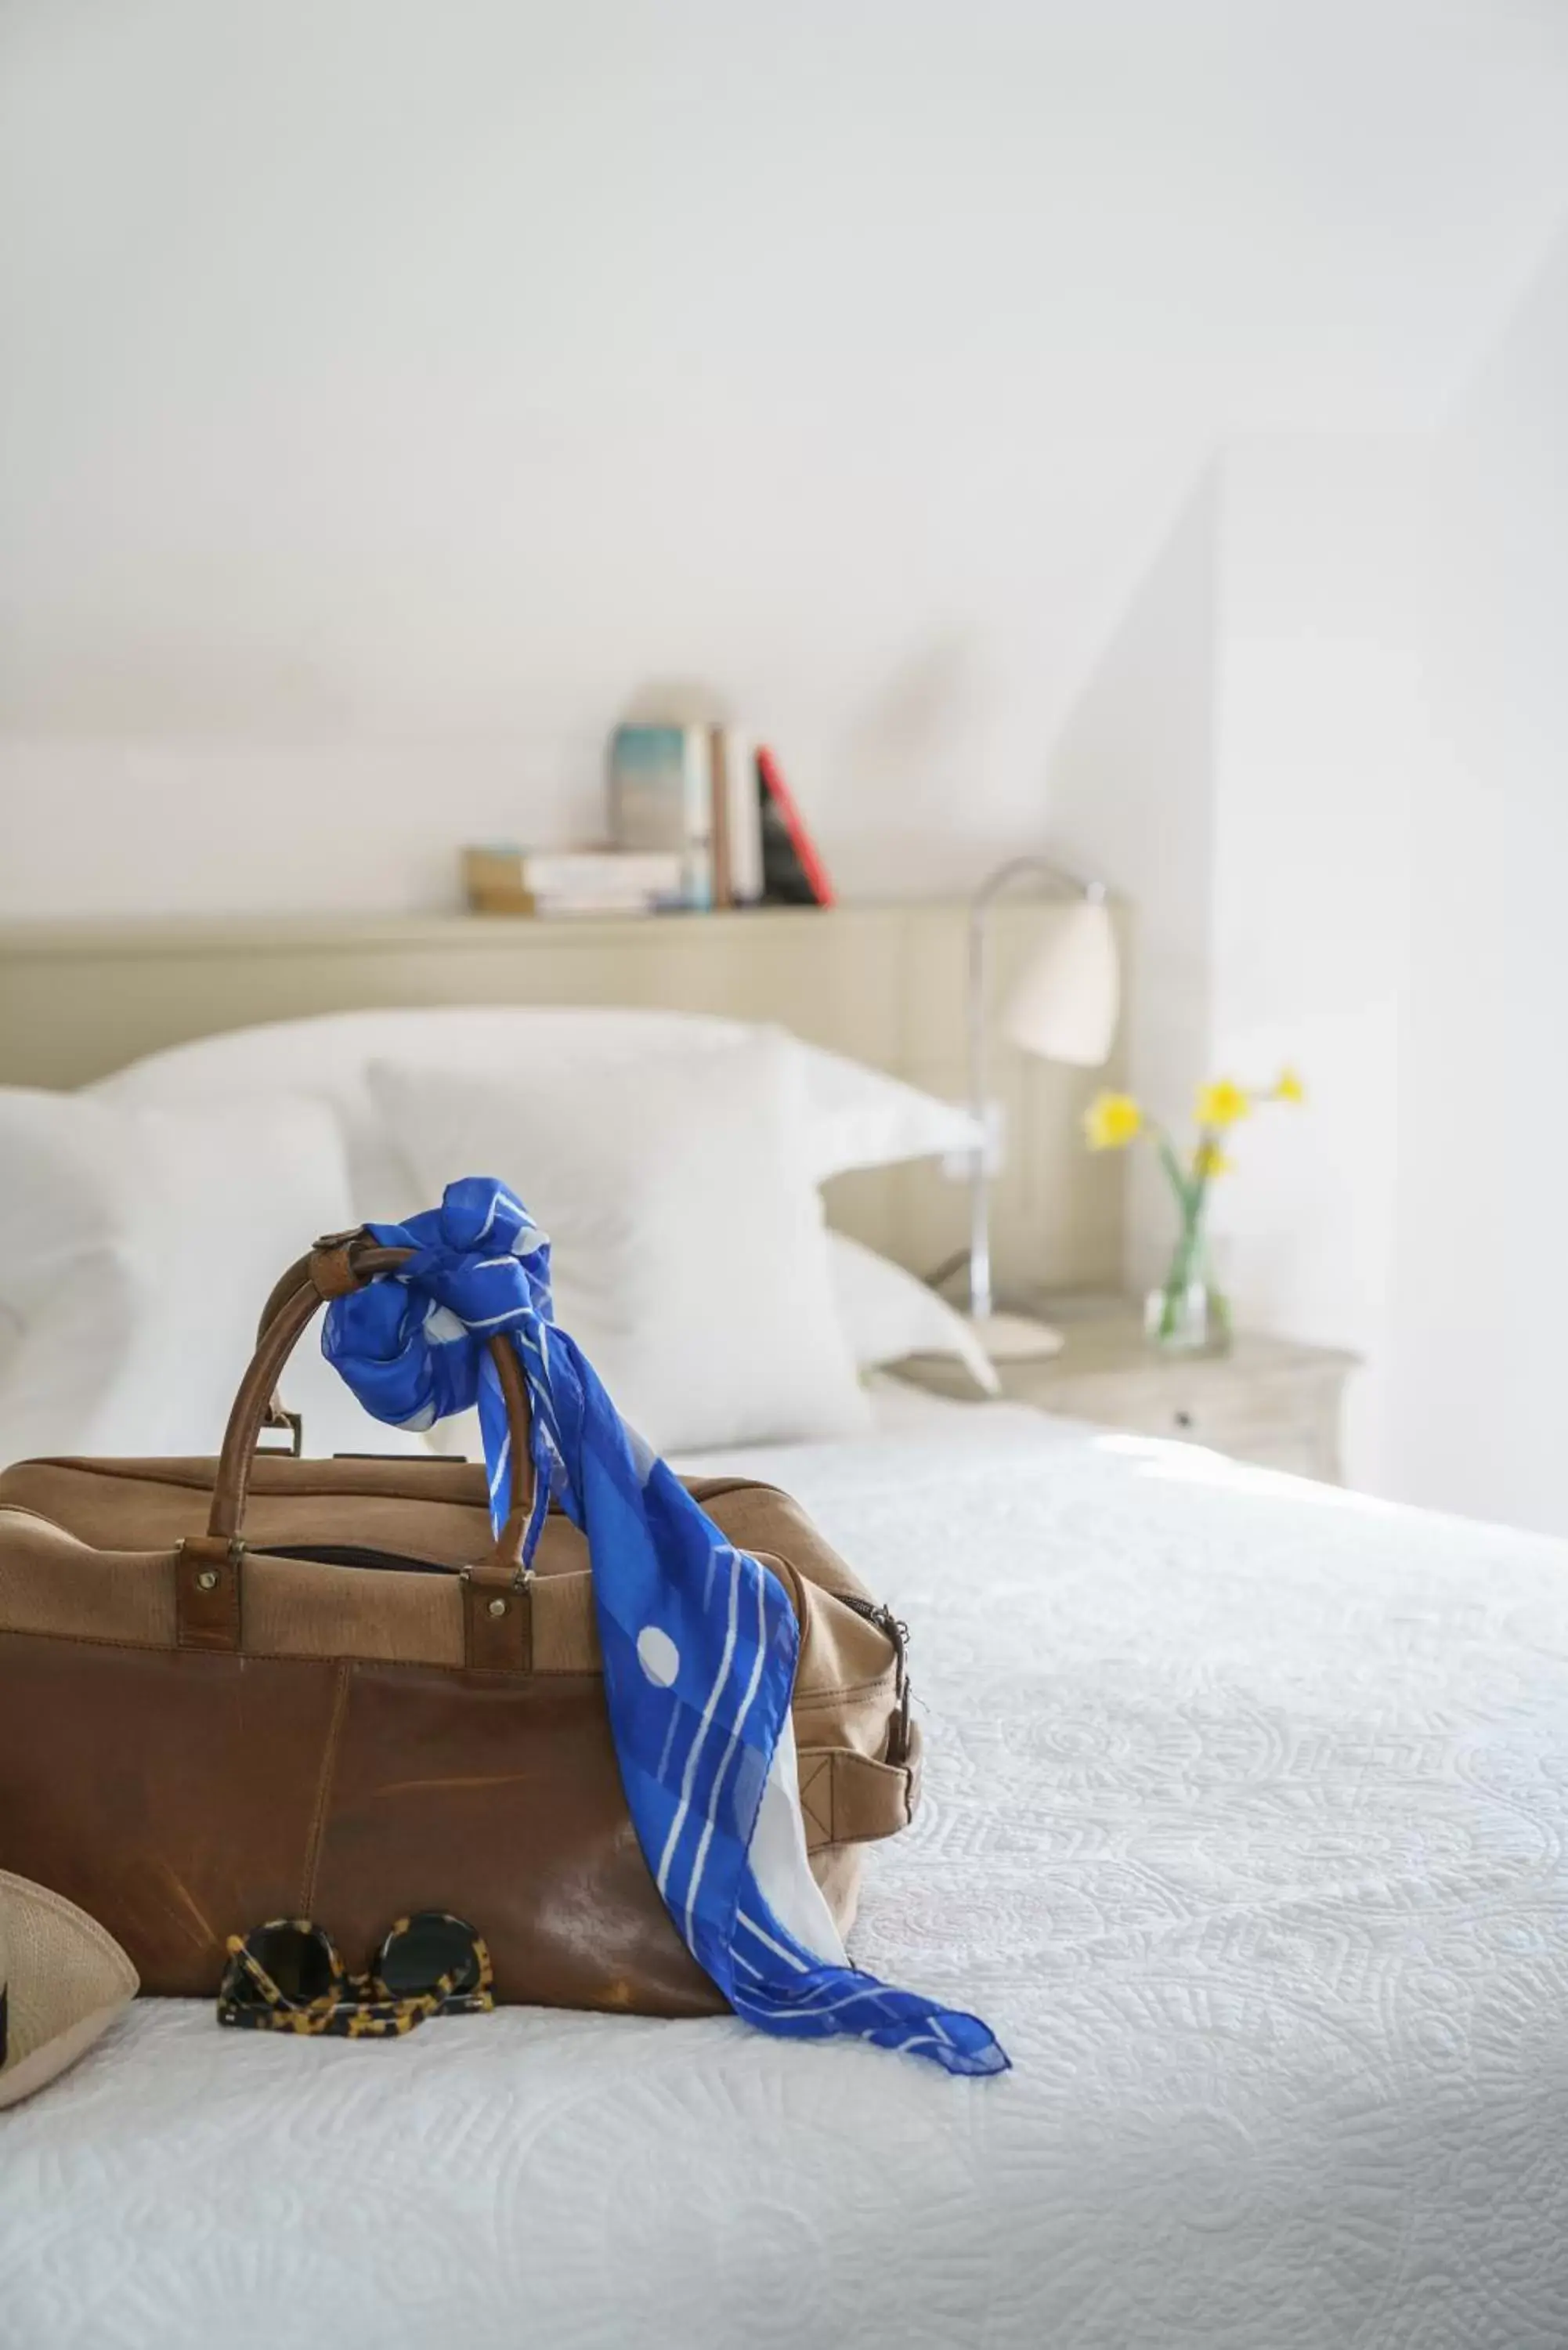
(1241, 762)
(1132, 798)
(1318, 741)
(1329, 751)
(1479, 1419)
(391, 389)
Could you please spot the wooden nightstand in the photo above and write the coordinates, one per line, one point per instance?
(1270, 1400)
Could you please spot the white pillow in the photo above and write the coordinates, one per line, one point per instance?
(864, 1118)
(854, 1115)
(888, 1316)
(137, 1248)
(689, 1254)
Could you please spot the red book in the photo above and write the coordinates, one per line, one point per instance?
(793, 872)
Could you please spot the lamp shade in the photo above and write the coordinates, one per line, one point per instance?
(1064, 1007)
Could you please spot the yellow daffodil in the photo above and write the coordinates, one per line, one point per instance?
(1288, 1086)
(1220, 1103)
(1209, 1159)
(1111, 1122)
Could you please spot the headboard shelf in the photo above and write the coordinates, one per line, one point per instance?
(288, 933)
(882, 983)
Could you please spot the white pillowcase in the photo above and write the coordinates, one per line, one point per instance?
(689, 1254)
(854, 1115)
(888, 1316)
(137, 1249)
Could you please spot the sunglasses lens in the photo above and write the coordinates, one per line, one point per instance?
(297, 1962)
(414, 1959)
(240, 1989)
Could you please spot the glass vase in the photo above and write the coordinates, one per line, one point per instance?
(1188, 1314)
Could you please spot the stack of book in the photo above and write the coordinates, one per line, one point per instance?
(700, 816)
(717, 802)
(501, 880)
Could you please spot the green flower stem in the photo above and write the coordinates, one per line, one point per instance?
(1172, 1166)
(1191, 1200)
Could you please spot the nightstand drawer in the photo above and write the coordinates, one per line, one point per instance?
(1199, 1403)
(1272, 1401)
(1311, 1453)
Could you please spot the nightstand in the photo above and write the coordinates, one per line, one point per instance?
(1270, 1400)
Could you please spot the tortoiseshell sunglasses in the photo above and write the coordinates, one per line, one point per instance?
(287, 1976)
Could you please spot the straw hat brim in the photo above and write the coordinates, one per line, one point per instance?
(65, 1982)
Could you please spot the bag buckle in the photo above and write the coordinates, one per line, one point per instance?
(278, 1416)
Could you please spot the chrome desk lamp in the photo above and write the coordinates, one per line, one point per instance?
(1063, 1008)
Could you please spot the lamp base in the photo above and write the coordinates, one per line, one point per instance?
(1016, 1338)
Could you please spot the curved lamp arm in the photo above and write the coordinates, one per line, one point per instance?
(981, 1300)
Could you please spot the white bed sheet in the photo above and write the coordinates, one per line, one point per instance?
(1245, 1826)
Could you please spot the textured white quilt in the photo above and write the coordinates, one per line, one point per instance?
(1245, 1826)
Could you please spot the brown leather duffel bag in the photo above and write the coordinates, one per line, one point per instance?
(343, 1700)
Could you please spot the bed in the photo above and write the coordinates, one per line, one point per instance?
(1245, 1799)
(1245, 1821)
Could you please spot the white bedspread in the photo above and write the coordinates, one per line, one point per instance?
(1245, 1826)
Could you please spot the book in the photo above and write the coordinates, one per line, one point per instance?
(719, 750)
(500, 878)
(555, 909)
(737, 820)
(661, 799)
(745, 825)
(793, 872)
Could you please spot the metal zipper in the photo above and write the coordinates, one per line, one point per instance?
(356, 1554)
(897, 1632)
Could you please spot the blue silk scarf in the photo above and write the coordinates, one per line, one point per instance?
(700, 1640)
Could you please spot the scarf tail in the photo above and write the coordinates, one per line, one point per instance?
(700, 1640)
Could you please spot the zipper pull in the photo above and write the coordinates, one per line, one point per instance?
(897, 1632)
(899, 1735)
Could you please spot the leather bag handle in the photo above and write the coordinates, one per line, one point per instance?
(208, 1582)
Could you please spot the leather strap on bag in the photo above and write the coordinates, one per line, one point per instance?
(847, 1797)
(329, 1267)
(209, 1573)
(207, 1593)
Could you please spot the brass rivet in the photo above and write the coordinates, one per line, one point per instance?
(208, 1579)
(498, 1607)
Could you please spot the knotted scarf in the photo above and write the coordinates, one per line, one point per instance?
(698, 1639)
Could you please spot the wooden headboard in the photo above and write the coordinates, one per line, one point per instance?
(882, 983)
